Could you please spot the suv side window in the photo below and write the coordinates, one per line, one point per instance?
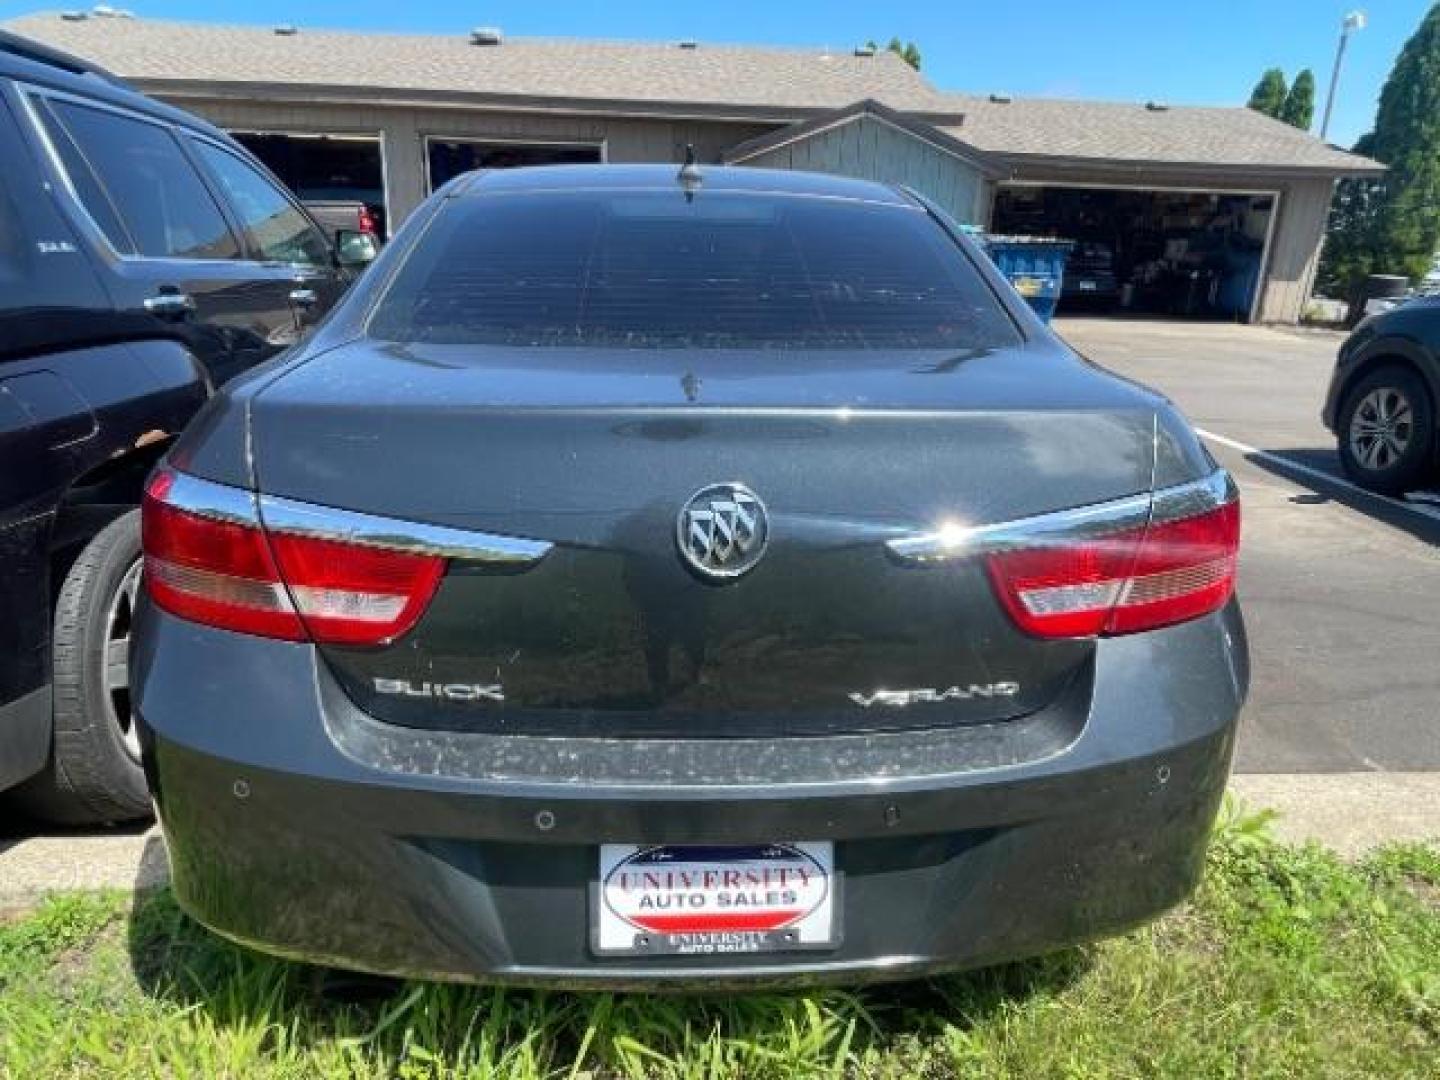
(87, 186)
(135, 181)
(279, 231)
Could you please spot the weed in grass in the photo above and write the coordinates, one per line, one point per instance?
(64, 922)
(1288, 962)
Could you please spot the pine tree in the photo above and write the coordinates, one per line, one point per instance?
(1392, 225)
(1299, 107)
(909, 51)
(1407, 141)
(1268, 97)
(1349, 252)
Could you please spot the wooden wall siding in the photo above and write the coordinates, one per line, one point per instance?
(873, 150)
(403, 132)
(1295, 250)
(1122, 174)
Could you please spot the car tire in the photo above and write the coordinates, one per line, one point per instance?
(94, 775)
(1386, 431)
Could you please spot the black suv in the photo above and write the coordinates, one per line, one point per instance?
(1382, 399)
(145, 258)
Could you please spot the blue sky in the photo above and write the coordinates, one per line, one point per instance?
(1200, 52)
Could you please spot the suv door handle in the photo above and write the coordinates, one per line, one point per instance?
(304, 297)
(170, 305)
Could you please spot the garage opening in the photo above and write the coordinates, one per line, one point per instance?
(1174, 254)
(333, 175)
(448, 158)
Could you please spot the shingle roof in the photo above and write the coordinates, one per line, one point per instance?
(1176, 135)
(787, 82)
(750, 81)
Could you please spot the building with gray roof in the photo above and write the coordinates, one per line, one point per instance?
(1223, 205)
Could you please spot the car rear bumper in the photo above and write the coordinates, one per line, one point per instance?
(301, 828)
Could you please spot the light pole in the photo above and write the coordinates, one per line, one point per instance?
(1351, 23)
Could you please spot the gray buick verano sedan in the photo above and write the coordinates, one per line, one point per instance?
(656, 580)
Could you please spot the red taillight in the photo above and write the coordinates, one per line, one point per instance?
(225, 570)
(1138, 579)
(1184, 569)
(211, 570)
(349, 594)
(367, 222)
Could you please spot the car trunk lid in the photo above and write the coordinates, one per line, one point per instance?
(598, 452)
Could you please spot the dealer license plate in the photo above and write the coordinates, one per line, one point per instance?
(699, 901)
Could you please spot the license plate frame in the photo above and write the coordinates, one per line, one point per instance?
(785, 900)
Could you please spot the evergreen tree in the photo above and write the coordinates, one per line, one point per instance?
(909, 52)
(1268, 97)
(1407, 141)
(1349, 252)
(1299, 107)
(1392, 225)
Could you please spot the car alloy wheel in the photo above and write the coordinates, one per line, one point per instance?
(1382, 428)
(118, 621)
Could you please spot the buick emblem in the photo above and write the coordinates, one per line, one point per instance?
(722, 530)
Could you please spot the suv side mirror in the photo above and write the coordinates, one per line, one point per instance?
(354, 248)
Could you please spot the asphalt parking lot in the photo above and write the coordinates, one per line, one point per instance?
(1341, 588)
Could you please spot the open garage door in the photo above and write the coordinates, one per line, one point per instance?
(333, 175)
(446, 159)
(1174, 254)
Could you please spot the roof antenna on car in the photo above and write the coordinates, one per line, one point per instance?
(689, 174)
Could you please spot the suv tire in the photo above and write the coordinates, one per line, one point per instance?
(94, 775)
(1386, 431)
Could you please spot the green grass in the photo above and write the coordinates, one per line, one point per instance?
(1289, 962)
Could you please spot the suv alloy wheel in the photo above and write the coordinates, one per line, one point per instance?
(1387, 431)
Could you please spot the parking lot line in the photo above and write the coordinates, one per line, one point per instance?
(1422, 509)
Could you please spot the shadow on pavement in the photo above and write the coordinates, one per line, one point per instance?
(154, 869)
(178, 961)
(1298, 465)
(16, 828)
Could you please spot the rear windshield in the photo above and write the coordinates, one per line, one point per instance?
(653, 269)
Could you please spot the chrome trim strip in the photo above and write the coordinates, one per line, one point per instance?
(1187, 500)
(207, 499)
(221, 502)
(959, 541)
(354, 527)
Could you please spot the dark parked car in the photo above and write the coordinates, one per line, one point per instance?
(653, 579)
(344, 215)
(1090, 275)
(144, 259)
(1382, 399)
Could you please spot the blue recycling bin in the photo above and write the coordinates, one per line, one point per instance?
(1035, 266)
